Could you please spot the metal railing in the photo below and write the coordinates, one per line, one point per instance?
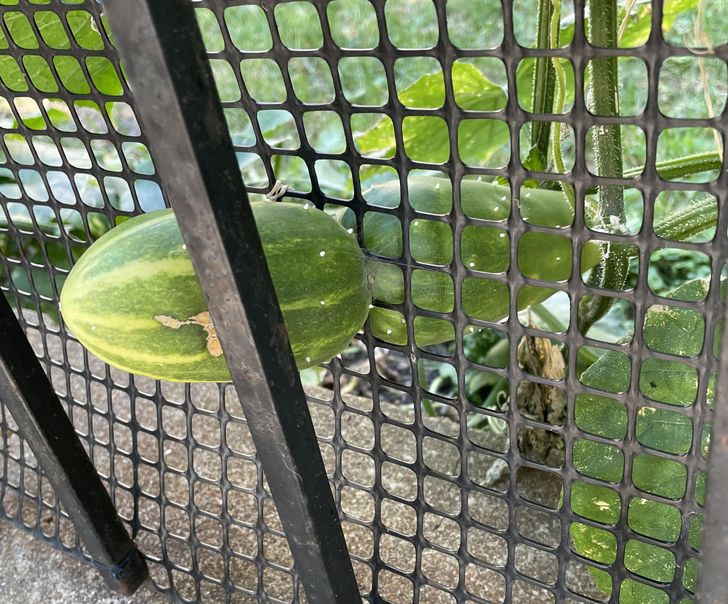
(407, 491)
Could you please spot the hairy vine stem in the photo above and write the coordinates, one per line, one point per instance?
(543, 86)
(559, 101)
(612, 272)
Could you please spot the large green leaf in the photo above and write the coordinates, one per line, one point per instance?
(103, 73)
(677, 331)
(639, 23)
(426, 138)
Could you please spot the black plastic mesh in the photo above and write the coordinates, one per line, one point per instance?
(444, 497)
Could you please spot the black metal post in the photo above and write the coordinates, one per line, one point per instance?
(167, 67)
(712, 583)
(27, 393)
(712, 586)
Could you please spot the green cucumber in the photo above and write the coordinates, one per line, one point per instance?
(484, 248)
(134, 301)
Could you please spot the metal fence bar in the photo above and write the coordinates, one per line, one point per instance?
(714, 544)
(27, 393)
(712, 587)
(173, 84)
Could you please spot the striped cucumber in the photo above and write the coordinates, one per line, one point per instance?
(134, 301)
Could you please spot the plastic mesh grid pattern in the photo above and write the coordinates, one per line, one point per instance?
(423, 520)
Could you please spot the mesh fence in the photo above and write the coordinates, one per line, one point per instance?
(480, 448)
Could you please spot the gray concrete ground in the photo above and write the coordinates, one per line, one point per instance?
(33, 572)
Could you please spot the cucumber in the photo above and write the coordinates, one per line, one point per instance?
(134, 301)
(483, 248)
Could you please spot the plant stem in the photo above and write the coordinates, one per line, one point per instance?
(672, 169)
(543, 86)
(559, 101)
(427, 405)
(627, 14)
(684, 224)
(604, 92)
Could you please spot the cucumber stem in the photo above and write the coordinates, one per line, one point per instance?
(672, 169)
(543, 85)
(559, 102)
(688, 222)
(612, 272)
(679, 167)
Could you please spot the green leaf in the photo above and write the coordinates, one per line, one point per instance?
(11, 74)
(71, 74)
(664, 430)
(668, 382)
(601, 416)
(654, 519)
(603, 462)
(612, 374)
(51, 29)
(20, 30)
(600, 504)
(84, 29)
(473, 91)
(638, 26)
(677, 331)
(427, 138)
(638, 593)
(40, 74)
(594, 543)
(649, 561)
(104, 74)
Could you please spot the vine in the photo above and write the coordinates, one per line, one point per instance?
(612, 271)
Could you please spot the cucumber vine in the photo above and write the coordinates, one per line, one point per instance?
(612, 272)
(560, 92)
(543, 88)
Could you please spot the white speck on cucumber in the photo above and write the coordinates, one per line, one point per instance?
(323, 302)
(437, 187)
(322, 253)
